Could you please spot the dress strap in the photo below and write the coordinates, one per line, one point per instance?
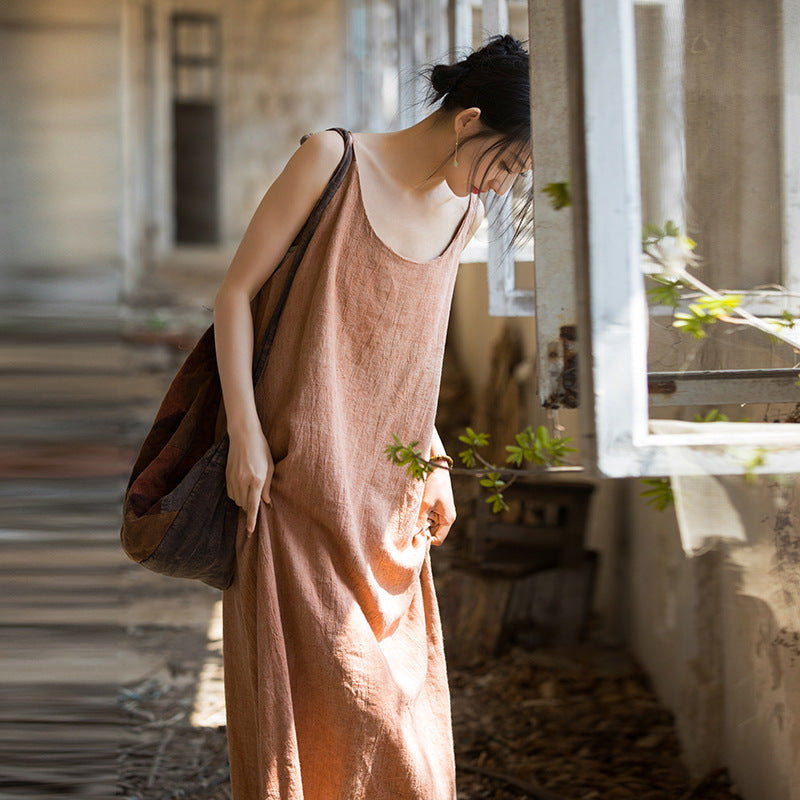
(345, 134)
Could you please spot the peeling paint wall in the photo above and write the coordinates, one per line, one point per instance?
(719, 635)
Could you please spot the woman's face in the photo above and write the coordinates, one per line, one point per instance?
(482, 169)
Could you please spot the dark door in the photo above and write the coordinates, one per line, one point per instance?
(195, 69)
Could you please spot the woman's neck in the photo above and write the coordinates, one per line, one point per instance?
(416, 156)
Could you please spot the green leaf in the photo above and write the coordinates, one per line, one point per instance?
(474, 439)
(560, 195)
(713, 415)
(497, 502)
(492, 481)
(671, 229)
(467, 458)
(660, 495)
(719, 306)
(667, 280)
(693, 322)
(650, 232)
(405, 455)
(515, 455)
(786, 320)
(757, 459)
(538, 448)
(665, 295)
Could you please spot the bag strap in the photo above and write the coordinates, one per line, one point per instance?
(300, 245)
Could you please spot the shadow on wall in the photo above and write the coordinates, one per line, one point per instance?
(720, 633)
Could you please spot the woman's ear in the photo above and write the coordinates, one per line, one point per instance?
(466, 119)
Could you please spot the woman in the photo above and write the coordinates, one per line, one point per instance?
(334, 668)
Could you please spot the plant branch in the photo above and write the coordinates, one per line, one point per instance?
(751, 318)
(479, 472)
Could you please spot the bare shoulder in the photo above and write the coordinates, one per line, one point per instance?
(317, 158)
(324, 144)
(305, 176)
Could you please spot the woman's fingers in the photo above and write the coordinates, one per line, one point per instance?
(249, 475)
(253, 499)
(439, 527)
(436, 519)
(437, 511)
(265, 489)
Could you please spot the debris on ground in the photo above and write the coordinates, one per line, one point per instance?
(576, 723)
(553, 724)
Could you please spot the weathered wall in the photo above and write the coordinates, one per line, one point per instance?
(719, 635)
(733, 139)
(87, 162)
(60, 161)
(284, 78)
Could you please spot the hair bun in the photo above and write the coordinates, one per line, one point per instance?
(444, 77)
(495, 79)
(497, 48)
(503, 45)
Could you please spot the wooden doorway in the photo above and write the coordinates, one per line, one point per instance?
(195, 44)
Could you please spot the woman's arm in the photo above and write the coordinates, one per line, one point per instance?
(276, 222)
(438, 510)
(437, 448)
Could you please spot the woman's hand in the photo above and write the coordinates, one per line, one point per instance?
(438, 510)
(249, 472)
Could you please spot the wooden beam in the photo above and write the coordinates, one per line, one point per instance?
(720, 387)
(556, 302)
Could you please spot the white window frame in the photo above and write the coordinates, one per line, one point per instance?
(556, 290)
(615, 417)
(790, 130)
(505, 298)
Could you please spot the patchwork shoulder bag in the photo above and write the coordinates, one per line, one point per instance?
(177, 517)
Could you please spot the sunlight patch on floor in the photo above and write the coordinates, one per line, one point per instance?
(209, 703)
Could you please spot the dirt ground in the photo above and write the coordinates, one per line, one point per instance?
(558, 724)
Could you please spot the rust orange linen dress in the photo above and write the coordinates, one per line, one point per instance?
(334, 667)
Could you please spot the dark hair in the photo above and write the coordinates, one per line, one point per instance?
(495, 79)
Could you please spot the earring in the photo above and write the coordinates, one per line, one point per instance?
(455, 158)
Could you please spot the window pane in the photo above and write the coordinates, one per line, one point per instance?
(709, 119)
(194, 83)
(194, 38)
(614, 379)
